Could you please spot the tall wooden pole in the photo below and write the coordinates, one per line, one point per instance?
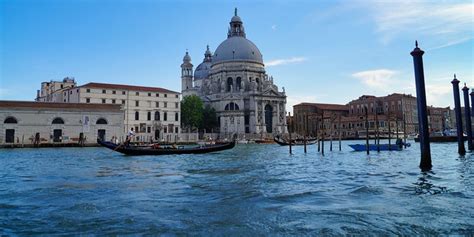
(377, 135)
(389, 132)
(305, 121)
(467, 116)
(340, 132)
(457, 110)
(367, 129)
(425, 160)
(317, 134)
(322, 133)
(289, 130)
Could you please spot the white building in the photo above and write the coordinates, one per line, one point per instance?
(153, 112)
(23, 121)
(234, 82)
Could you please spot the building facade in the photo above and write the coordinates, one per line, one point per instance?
(153, 112)
(394, 114)
(234, 82)
(52, 91)
(24, 122)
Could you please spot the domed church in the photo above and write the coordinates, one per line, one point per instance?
(233, 81)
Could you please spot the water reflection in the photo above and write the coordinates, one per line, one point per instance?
(425, 184)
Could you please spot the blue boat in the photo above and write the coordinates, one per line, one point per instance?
(398, 146)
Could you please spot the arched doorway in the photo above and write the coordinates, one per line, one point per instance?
(10, 133)
(269, 118)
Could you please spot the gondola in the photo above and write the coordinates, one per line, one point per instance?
(294, 142)
(149, 150)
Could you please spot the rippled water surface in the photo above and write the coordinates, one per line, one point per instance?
(250, 190)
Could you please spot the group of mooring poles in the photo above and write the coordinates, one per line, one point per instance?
(317, 123)
(425, 161)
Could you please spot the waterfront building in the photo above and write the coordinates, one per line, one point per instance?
(153, 112)
(233, 81)
(349, 120)
(439, 119)
(24, 122)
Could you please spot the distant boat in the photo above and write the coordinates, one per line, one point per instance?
(166, 150)
(264, 141)
(442, 139)
(398, 146)
(294, 142)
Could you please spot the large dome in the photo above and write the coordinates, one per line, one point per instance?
(237, 48)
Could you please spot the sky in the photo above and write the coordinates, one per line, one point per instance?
(319, 51)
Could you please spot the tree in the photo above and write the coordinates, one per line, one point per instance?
(191, 112)
(209, 120)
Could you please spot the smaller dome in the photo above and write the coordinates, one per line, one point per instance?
(236, 19)
(186, 57)
(202, 71)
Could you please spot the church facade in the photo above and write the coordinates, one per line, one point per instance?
(234, 82)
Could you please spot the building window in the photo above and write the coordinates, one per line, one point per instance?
(165, 104)
(166, 95)
(176, 130)
(148, 117)
(137, 103)
(101, 121)
(137, 93)
(157, 116)
(123, 92)
(104, 92)
(177, 96)
(103, 101)
(10, 120)
(114, 92)
(176, 117)
(157, 95)
(157, 104)
(165, 116)
(70, 92)
(149, 94)
(88, 100)
(148, 129)
(137, 115)
(113, 101)
(177, 105)
(231, 106)
(58, 121)
(123, 102)
(165, 130)
(77, 90)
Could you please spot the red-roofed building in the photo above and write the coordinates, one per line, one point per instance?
(153, 112)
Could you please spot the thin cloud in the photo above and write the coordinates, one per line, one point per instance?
(379, 79)
(274, 27)
(446, 22)
(278, 62)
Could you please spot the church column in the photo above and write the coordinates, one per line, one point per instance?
(264, 127)
(256, 116)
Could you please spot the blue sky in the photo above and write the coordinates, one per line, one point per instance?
(320, 51)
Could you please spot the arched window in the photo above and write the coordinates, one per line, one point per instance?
(101, 121)
(58, 121)
(238, 82)
(229, 83)
(157, 116)
(232, 106)
(137, 115)
(10, 120)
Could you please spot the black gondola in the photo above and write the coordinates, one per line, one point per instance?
(294, 142)
(150, 150)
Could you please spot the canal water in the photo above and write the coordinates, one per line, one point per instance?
(250, 190)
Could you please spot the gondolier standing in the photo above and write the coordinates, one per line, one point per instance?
(129, 137)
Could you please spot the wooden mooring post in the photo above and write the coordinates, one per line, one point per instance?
(305, 132)
(367, 129)
(467, 116)
(288, 125)
(457, 111)
(425, 160)
(322, 133)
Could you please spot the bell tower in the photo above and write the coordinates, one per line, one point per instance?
(186, 73)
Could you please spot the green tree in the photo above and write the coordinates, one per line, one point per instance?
(191, 112)
(209, 121)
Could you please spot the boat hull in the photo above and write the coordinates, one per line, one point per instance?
(139, 151)
(298, 142)
(374, 147)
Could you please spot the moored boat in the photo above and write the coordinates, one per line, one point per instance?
(166, 150)
(398, 146)
(294, 142)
